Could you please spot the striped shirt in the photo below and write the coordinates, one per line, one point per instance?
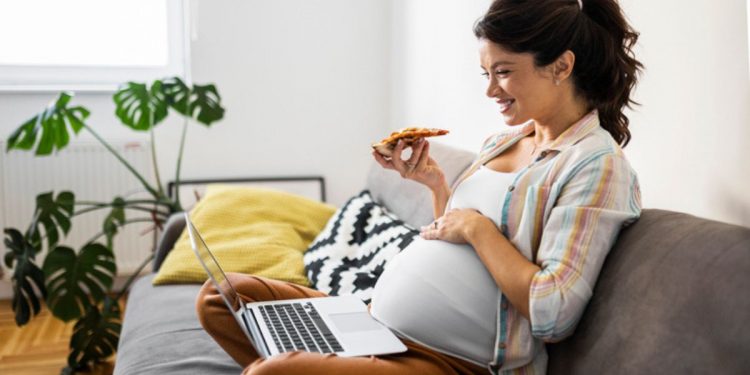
(563, 212)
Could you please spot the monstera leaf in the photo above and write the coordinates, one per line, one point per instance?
(115, 219)
(26, 276)
(95, 335)
(140, 107)
(52, 124)
(177, 94)
(52, 214)
(75, 283)
(202, 101)
(208, 104)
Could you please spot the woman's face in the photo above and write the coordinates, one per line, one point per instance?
(522, 90)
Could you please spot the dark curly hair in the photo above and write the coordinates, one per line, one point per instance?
(605, 70)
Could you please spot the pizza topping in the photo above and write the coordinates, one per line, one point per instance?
(408, 135)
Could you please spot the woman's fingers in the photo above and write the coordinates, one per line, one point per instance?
(399, 164)
(424, 154)
(416, 150)
(417, 159)
(381, 160)
(430, 231)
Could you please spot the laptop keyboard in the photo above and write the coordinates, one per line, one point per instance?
(299, 327)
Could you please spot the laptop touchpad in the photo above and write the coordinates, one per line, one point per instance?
(353, 322)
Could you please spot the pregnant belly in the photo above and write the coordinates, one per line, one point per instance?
(440, 294)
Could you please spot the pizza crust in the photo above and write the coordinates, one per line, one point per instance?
(408, 135)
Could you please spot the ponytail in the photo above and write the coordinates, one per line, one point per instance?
(596, 31)
(611, 81)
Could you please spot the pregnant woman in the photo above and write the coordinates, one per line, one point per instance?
(515, 250)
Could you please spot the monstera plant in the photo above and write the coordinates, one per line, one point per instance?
(77, 284)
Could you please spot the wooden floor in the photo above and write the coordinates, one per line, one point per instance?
(38, 348)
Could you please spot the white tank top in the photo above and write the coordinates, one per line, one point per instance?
(440, 294)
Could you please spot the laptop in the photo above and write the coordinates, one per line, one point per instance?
(340, 324)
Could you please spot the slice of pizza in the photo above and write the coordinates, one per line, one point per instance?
(408, 135)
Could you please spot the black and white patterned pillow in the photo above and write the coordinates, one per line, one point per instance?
(352, 251)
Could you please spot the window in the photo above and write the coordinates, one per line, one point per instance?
(89, 44)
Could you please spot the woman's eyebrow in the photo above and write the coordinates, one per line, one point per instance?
(494, 65)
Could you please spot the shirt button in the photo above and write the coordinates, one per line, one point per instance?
(511, 188)
(504, 305)
(501, 345)
(504, 228)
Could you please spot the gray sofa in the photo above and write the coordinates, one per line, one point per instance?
(673, 298)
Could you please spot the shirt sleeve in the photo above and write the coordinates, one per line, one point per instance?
(593, 205)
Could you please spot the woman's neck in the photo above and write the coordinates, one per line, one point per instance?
(547, 129)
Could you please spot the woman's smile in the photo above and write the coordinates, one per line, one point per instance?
(505, 104)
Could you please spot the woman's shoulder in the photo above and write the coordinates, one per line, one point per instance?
(597, 150)
(597, 163)
(596, 144)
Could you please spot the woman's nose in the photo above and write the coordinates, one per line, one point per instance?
(491, 88)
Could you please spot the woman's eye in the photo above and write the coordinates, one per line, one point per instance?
(497, 73)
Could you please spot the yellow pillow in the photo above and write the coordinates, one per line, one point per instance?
(250, 230)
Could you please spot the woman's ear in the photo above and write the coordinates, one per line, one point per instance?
(563, 66)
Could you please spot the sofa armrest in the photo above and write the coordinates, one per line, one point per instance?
(172, 231)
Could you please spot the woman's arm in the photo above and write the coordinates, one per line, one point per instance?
(591, 209)
(440, 197)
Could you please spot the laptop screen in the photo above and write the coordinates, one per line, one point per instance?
(211, 265)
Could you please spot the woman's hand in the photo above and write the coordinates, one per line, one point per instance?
(457, 226)
(419, 167)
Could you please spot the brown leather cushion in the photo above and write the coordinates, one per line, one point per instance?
(673, 298)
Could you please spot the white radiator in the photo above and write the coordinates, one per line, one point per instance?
(93, 174)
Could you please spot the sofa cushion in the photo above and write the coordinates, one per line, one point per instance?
(352, 251)
(408, 200)
(161, 334)
(249, 230)
(672, 298)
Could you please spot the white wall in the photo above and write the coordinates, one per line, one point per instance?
(693, 130)
(436, 73)
(304, 84)
(690, 136)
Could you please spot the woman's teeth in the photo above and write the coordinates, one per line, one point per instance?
(505, 104)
